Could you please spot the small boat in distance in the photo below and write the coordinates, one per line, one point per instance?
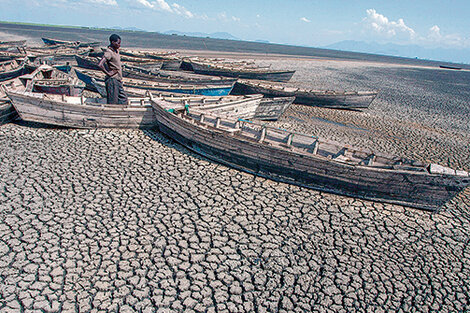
(53, 42)
(321, 98)
(450, 67)
(309, 161)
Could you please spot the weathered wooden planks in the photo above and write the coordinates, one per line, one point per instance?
(310, 162)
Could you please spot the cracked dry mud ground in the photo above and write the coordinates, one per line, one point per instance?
(128, 220)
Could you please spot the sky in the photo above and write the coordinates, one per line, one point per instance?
(313, 23)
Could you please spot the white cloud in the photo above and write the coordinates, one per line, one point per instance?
(106, 2)
(178, 9)
(145, 3)
(304, 19)
(435, 37)
(162, 5)
(235, 19)
(435, 33)
(381, 25)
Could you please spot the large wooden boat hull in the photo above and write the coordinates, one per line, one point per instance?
(7, 112)
(421, 190)
(39, 108)
(328, 99)
(277, 76)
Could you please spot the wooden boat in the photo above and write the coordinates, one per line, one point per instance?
(147, 54)
(53, 42)
(17, 43)
(450, 67)
(12, 45)
(241, 71)
(326, 98)
(7, 111)
(266, 109)
(309, 161)
(87, 62)
(62, 54)
(133, 71)
(7, 56)
(246, 107)
(81, 112)
(50, 80)
(92, 62)
(206, 90)
(10, 70)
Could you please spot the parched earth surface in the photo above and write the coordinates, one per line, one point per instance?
(129, 221)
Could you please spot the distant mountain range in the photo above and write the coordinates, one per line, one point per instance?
(134, 29)
(218, 35)
(409, 51)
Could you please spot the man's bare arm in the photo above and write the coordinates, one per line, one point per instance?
(103, 68)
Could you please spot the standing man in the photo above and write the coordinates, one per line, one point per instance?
(110, 64)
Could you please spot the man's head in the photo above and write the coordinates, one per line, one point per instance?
(115, 41)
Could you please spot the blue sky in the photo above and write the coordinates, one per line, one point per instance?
(315, 23)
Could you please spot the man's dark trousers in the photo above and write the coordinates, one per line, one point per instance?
(115, 91)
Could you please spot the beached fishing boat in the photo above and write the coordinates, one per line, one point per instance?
(310, 161)
(48, 79)
(449, 67)
(11, 69)
(87, 62)
(92, 62)
(206, 90)
(240, 71)
(7, 56)
(246, 107)
(7, 111)
(137, 72)
(321, 98)
(56, 55)
(81, 112)
(17, 43)
(147, 54)
(12, 45)
(53, 42)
